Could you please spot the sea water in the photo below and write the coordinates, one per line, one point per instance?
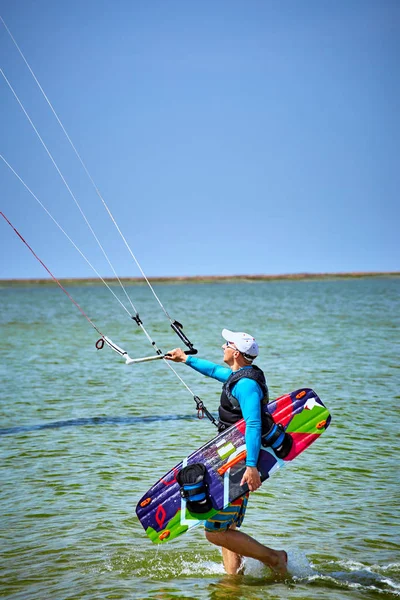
(83, 436)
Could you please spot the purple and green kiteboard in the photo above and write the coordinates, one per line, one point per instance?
(162, 511)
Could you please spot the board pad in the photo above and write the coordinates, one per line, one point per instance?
(164, 514)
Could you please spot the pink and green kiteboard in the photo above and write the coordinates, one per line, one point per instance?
(163, 512)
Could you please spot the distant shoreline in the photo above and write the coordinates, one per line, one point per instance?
(200, 279)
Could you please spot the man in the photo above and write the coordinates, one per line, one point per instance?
(243, 394)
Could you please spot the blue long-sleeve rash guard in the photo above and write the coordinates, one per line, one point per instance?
(248, 393)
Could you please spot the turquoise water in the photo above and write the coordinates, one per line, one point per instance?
(83, 436)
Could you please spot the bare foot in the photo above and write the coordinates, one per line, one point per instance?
(280, 568)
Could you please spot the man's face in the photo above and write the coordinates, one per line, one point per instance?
(229, 353)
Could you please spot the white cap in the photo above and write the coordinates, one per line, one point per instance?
(244, 342)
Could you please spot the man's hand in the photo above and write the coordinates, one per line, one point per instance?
(251, 476)
(176, 355)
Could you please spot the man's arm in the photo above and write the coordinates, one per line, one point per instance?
(205, 367)
(249, 395)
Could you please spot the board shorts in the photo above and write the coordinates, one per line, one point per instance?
(233, 514)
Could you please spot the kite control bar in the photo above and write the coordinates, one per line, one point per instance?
(128, 360)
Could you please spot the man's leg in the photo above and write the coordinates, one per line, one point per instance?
(233, 562)
(236, 544)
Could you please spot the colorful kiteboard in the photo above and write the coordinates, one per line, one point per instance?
(163, 512)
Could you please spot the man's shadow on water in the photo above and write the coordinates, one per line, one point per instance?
(91, 421)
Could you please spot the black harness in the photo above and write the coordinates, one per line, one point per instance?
(272, 434)
(229, 409)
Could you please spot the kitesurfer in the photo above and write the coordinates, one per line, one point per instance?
(243, 393)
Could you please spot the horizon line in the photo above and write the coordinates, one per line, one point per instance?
(206, 278)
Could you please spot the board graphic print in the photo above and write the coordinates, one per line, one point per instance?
(163, 512)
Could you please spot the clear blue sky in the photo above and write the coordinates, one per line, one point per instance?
(227, 137)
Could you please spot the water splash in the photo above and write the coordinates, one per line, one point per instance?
(299, 566)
